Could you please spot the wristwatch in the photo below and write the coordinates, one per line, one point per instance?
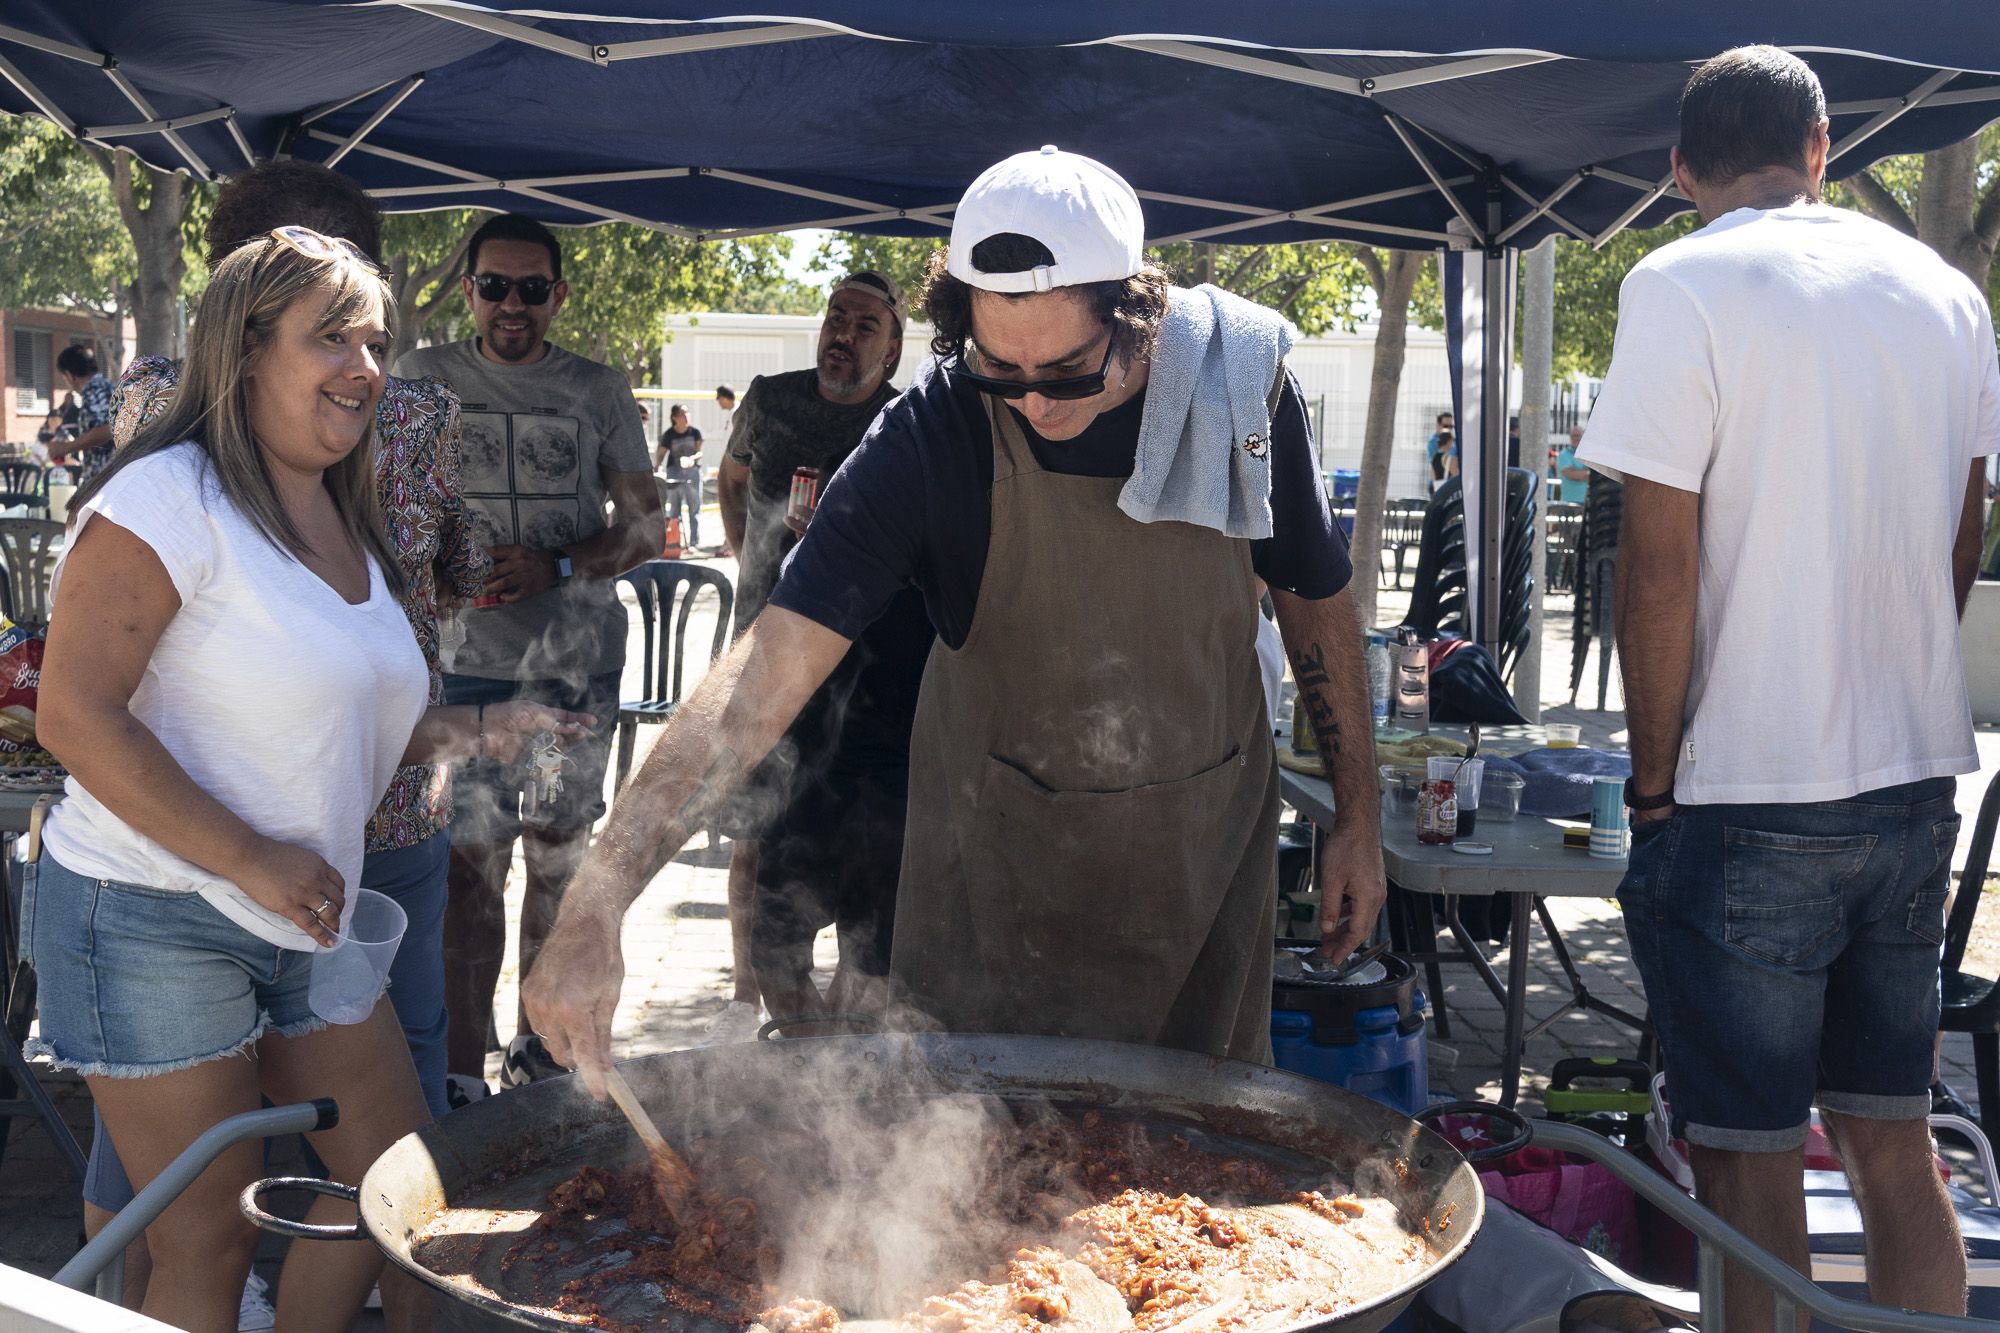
(563, 568)
(1634, 801)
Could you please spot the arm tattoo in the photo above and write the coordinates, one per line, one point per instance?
(1314, 682)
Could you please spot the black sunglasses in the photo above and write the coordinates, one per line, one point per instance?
(493, 287)
(1075, 386)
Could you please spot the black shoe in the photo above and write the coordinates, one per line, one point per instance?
(461, 1091)
(527, 1061)
(1946, 1101)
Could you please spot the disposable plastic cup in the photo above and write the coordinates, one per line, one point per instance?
(1564, 735)
(350, 977)
(1468, 774)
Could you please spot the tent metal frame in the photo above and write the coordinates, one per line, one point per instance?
(1482, 222)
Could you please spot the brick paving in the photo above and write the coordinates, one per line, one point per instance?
(677, 960)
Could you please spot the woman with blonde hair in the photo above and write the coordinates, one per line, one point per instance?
(231, 683)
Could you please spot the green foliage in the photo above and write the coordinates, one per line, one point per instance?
(1319, 285)
(900, 257)
(1587, 281)
(59, 229)
(623, 282)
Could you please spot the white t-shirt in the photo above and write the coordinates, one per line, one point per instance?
(282, 701)
(1825, 384)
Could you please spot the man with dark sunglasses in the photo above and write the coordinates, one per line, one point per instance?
(1093, 798)
(551, 440)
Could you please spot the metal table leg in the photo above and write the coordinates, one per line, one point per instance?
(1516, 1003)
(1580, 996)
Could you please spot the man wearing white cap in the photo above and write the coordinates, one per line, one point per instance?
(1087, 486)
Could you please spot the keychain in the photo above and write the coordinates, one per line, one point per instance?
(546, 762)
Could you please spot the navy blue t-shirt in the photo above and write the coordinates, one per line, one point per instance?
(913, 505)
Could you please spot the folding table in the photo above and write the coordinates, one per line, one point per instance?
(1529, 864)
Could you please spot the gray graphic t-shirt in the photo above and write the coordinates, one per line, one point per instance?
(538, 440)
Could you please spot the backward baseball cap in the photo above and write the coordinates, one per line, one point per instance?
(869, 282)
(1082, 211)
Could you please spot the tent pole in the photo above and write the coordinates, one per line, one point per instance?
(1538, 299)
(1493, 423)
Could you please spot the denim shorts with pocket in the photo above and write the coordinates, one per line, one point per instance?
(136, 981)
(1790, 953)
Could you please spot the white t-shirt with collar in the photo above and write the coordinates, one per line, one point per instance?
(1825, 384)
(280, 699)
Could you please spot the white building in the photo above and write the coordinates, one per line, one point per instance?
(707, 350)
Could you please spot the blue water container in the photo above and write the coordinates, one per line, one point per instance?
(1345, 483)
(1365, 1034)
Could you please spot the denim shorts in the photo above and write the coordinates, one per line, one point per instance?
(415, 878)
(1790, 953)
(136, 980)
(486, 793)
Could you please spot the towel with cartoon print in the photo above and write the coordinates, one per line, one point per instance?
(1205, 433)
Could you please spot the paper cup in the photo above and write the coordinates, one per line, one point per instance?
(349, 978)
(1610, 825)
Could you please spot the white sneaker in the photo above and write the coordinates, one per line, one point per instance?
(738, 1022)
(254, 1313)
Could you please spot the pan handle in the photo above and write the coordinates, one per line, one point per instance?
(284, 1226)
(1524, 1128)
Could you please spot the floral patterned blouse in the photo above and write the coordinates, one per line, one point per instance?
(416, 473)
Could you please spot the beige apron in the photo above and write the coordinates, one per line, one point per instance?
(1093, 806)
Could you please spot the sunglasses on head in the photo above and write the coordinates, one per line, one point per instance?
(494, 287)
(313, 245)
(1074, 386)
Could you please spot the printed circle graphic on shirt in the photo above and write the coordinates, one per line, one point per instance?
(545, 454)
(482, 452)
(492, 521)
(546, 524)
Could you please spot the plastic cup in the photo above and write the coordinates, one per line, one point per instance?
(1564, 735)
(349, 978)
(1468, 773)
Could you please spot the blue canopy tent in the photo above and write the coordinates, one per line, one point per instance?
(1457, 123)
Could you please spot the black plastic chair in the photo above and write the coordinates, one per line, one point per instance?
(23, 484)
(1972, 1003)
(663, 585)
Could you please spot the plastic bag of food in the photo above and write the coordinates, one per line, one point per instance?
(20, 684)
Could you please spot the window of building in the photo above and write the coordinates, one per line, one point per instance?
(34, 371)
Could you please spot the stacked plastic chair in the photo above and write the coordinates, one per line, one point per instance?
(1596, 569)
(1438, 596)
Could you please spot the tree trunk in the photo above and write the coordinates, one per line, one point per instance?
(1395, 278)
(155, 228)
(1948, 210)
(412, 278)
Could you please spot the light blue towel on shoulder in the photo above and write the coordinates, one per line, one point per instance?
(1205, 435)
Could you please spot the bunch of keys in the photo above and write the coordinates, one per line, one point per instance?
(545, 765)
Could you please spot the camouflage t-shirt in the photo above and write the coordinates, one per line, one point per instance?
(537, 442)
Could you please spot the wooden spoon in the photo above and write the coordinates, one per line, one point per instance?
(671, 1175)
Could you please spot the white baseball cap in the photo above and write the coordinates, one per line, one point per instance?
(1082, 210)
